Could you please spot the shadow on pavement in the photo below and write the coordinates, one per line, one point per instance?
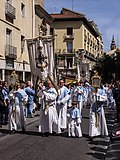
(97, 156)
(4, 131)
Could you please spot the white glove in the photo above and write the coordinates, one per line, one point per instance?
(68, 115)
(58, 102)
(43, 88)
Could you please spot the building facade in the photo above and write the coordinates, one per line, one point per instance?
(77, 44)
(19, 20)
(15, 26)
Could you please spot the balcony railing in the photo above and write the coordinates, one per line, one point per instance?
(11, 51)
(68, 51)
(10, 10)
(68, 36)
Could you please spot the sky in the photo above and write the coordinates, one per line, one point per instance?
(105, 13)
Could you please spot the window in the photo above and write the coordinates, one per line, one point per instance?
(85, 45)
(70, 31)
(9, 63)
(69, 46)
(22, 44)
(22, 10)
(51, 31)
(69, 62)
(8, 37)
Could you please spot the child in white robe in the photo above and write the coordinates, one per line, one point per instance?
(74, 121)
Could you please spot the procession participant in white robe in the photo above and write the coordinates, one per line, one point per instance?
(69, 103)
(22, 98)
(87, 93)
(64, 95)
(12, 110)
(18, 99)
(79, 90)
(97, 122)
(74, 121)
(110, 99)
(48, 113)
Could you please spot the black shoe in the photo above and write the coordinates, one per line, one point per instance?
(54, 133)
(23, 130)
(90, 138)
(1, 123)
(33, 111)
(5, 123)
(62, 129)
(46, 134)
(13, 131)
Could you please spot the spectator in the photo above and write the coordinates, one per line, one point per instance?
(5, 93)
(1, 103)
(116, 96)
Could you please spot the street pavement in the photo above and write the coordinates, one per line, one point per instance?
(113, 152)
(55, 147)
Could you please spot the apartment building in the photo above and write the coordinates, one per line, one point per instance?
(78, 42)
(20, 20)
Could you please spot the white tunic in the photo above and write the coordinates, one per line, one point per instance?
(16, 111)
(97, 122)
(62, 107)
(74, 120)
(48, 112)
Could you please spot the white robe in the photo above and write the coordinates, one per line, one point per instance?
(74, 123)
(62, 108)
(101, 127)
(16, 111)
(48, 114)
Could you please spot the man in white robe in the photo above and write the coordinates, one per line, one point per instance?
(97, 122)
(64, 95)
(48, 113)
(22, 98)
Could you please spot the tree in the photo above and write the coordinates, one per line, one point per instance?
(105, 67)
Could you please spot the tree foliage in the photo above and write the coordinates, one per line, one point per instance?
(106, 68)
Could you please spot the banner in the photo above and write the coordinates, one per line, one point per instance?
(41, 57)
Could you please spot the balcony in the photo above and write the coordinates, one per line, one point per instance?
(68, 51)
(10, 11)
(10, 51)
(68, 37)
